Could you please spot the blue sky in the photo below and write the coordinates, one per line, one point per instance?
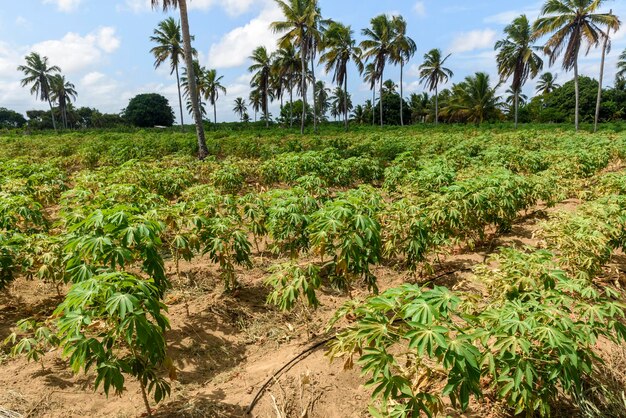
(103, 46)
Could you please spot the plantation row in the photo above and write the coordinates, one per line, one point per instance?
(333, 209)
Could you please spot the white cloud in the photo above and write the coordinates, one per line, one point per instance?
(64, 5)
(420, 9)
(236, 46)
(74, 52)
(232, 7)
(473, 40)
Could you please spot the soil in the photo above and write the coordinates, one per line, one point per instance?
(226, 346)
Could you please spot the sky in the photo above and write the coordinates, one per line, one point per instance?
(103, 47)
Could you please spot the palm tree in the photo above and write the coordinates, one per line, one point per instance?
(547, 83)
(403, 50)
(378, 47)
(517, 57)
(255, 101)
(341, 100)
(315, 34)
(621, 65)
(200, 79)
(515, 98)
(63, 92)
(262, 68)
(605, 49)
(473, 100)
(359, 114)
(419, 104)
(38, 74)
(370, 75)
(390, 87)
(240, 107)
(433, 72)
(301, 17)
(169, 46)
(341, 49)
(322, 95)
(288, 64)
(570, 24)
(188, 56)
(211, 88)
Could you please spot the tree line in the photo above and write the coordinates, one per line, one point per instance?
(308, 40)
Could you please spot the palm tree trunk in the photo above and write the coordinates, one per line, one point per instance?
(516, 104)
(54, 122)
(380, 95)
(291, 105)
(314, 98)
(215, 114)
(401, 94)
(345, 99)
(303, 82)
(436, 106)
(373, 106)
(600, 81)
(180, 101)
(576, 91)
(267, 122)
(184, 20)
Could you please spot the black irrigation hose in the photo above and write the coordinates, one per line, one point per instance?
(286, 367)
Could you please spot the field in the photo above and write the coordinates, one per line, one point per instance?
(473, 272)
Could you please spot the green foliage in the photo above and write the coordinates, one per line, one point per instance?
(291, 283)
(128, 338)
(112, 239)
(533, 337)
(346, 228)
(11, 119)
(423, 322)
(148, 110)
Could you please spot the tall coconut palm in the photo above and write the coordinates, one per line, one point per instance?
(378, 48)
(315, 34)
(341, 100)
(433, 73)
(517, 57)
(370, 76)
(211, 89)
(240, 107)
(181, 5)
(547, 83)
(322, 96)
(403, 49)
(63, 92)
(169, 46)
(341, 49)
(473, 100)
(300, 19)
(199, 78)
(605, 50)
(288, 64)
(262, 68)
(37, 74)
(571, 24)
(621, 65)
(255, 101)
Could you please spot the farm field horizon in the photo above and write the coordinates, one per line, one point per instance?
(446, 271)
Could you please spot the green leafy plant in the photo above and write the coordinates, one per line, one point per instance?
(291, 283)
(114, 323)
